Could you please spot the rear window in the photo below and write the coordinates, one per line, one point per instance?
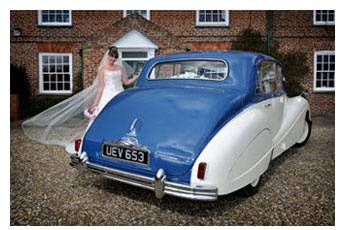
(190, 69)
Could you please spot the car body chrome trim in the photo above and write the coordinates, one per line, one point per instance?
(206, 193)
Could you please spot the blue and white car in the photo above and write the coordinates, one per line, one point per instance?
(197, 125)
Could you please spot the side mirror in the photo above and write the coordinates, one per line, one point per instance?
(305, 93)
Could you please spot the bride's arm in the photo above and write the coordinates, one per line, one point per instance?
(125, 79)
(99, 89)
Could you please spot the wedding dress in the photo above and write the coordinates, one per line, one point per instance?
(112, 87)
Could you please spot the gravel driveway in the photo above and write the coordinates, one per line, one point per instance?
(298, 189)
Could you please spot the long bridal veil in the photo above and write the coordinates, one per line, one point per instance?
(64, 122)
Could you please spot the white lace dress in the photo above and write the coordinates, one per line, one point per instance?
(112, 87)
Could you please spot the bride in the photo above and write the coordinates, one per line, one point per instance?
(69, 119)
(111, 76)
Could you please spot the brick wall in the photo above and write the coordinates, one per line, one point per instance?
(172, 31)
(294, 31)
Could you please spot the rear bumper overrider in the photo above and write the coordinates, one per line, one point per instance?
(158, 184)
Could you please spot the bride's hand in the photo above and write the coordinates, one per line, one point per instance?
(92, 109)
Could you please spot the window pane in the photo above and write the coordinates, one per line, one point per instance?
(319, 66)
(45, 68)
(46, 86)
(318, 83)
(58, 18)
(53, 77)
(266, 82)
(331, 17)
(58, 59)
(66, 68)
(45, 77)
(53, 86)
(52, 68)
(222, 16)
(189, 69)
(134, 54)
(318, 76)
(331, 84)
(325, 66)
(59, 68)
(332, 58)
(67, 86)
(65, 18)
(51, 59)
(66, 77)
(52, 18)
(60, 77)
(332, 66)
(331, 76)
(318, 17)
(59, 86)
(66, 59)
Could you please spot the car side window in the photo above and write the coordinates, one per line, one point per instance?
(266, 78)
(280, 78)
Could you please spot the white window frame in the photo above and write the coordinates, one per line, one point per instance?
(322, 23)
(41, 23)
(40, 61)
(147, 14)
(322, 89)
(150, 53)
(211, 24)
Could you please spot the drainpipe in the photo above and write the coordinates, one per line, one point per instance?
(81, 67)
(269, 30)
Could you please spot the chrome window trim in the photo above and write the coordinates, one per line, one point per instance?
(190, 59)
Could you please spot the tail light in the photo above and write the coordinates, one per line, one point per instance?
(77, 143)
(202, 170)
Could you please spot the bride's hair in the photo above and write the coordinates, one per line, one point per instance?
(113, 52)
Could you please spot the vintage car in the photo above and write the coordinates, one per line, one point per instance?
(197, 125)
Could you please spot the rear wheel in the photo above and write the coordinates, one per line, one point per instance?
(306, 133)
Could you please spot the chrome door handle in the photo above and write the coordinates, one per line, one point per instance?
(268, 105)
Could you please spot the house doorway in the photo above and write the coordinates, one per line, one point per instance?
(135, 49)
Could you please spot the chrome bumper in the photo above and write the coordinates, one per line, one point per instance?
(159, 184)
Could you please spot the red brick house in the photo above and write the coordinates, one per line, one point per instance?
(61, 49)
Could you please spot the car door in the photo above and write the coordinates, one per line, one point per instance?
(267, 93)
(278, 99)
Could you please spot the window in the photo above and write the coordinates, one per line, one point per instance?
(136, 58)
(55, 70)
(190, 69)
(266, 78)
(212, 18)
(324, 17)
(144, 13)
(55, 17)
(324, 71)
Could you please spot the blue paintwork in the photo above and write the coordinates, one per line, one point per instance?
(177, 118)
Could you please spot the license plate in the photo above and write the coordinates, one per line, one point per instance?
(119, 151)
